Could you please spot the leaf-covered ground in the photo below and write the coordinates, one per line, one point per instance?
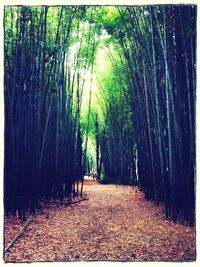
(116, 223)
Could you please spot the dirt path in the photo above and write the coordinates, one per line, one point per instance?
(116, 223)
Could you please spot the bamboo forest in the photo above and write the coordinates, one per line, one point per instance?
(99, 133)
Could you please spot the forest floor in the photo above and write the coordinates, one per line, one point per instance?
(116, 223)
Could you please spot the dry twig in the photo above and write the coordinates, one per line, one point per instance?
(17, 236)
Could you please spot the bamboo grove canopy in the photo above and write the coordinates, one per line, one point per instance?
(105, 88)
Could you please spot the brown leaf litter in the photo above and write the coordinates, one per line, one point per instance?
(116, 223)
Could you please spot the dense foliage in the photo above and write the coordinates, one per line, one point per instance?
(43, 88)
(110, 89)
(150, 103)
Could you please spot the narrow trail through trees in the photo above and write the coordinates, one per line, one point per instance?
(116, 223)
(108, 91)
